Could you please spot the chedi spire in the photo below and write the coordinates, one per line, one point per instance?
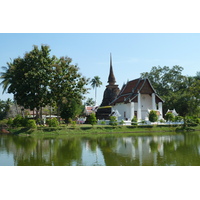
(111, 78)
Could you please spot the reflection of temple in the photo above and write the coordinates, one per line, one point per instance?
(141, 151)
(110, 94)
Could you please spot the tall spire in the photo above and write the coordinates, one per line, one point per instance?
(111, 78)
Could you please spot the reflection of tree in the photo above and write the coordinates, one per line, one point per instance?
(68, 152)
(154, 146)
(131, 151)
(92, 143)
(32, 151)
(182, 153)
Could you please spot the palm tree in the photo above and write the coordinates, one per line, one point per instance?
(90, 102)
(95, 82)
(6, 76)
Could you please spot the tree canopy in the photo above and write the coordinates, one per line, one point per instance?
(38, 79)
(178, 91)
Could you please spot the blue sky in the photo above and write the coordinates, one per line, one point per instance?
(132, 53)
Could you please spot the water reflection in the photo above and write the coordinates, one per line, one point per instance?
(178, 150)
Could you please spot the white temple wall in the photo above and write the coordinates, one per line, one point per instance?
(127, 111)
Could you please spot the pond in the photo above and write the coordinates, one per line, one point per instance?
(98, 150)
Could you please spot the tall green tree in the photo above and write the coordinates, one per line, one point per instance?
(67, 85)
(28, 78)
(39, 79)
(95, 83)
(177, 91)
(71, 109)
(165, 79)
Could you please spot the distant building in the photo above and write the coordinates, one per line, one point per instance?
(89, 110)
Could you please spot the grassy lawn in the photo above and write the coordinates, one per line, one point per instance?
(85, 129)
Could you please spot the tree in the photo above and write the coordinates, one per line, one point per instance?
(70, 109)
(90, 102)
(67, 83)
(177, 91)
(6, 76)
(164, 79)
(95, 82)
(4, 108)
(39, 79)
(29, 78)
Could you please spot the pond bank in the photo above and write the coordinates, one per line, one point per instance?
(99, 129)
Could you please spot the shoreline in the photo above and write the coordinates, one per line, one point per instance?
(101, 130)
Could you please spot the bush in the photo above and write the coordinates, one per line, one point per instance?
(134, 121)
(53, 122)
(73, 124)
(178, 119)
(113, 121)
(92, 119)
(122, 122)
(31, 123)
(162, 121)
(153, 117)
(191, 121)
(18, 121)
(10, 122)
(3, 122)
(103, 123)
(170, 117)
(69, 121)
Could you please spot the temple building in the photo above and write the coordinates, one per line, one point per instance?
(110, 94)
(137, 98)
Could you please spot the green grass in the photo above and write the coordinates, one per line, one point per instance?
(99, 129)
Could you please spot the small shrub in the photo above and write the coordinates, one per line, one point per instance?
(10, 122)
(73, 124)
(122, 122)
(3, 122)
(53, 122)
(113, 121)
(134, 121)
(178, 119)
(24, 121)
(18, 121)
(103, 123)
(170, 117)
(153, 117)
(191, 121)
(162, 121)
(92, 119)
(31, 123)
(69, 121)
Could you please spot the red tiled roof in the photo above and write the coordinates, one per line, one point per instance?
(129, 91)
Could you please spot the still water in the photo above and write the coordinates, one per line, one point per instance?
(167, 150)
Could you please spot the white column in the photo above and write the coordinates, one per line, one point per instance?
(139, 115)
(131, 110)
(160, 109)
(153, 101)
